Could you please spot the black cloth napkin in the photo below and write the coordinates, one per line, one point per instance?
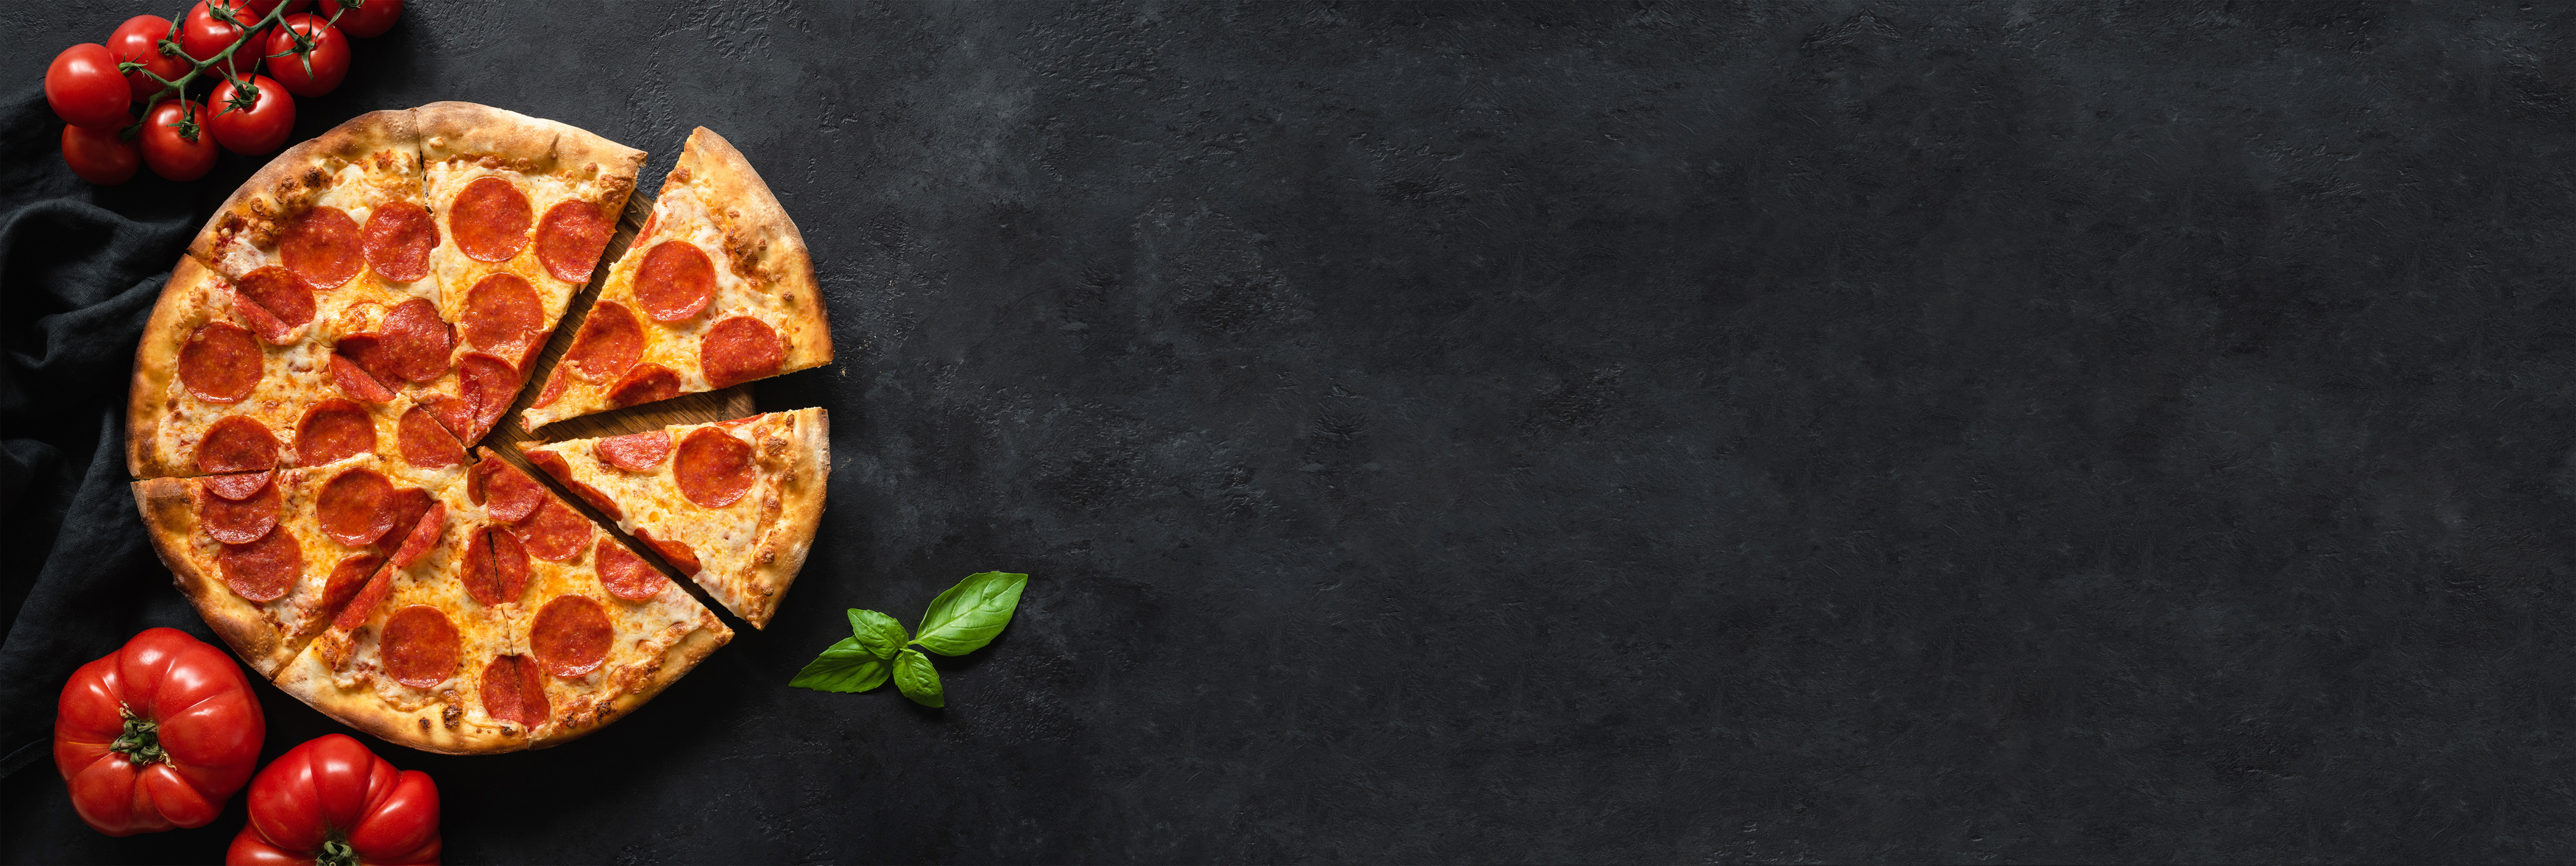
(80, 267)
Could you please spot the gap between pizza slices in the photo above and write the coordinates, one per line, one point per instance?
(349, 323)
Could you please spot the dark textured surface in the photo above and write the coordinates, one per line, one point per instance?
(1605, 433)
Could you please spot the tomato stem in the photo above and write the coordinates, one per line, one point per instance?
(224, 12)
(336, 852)
(140, 742)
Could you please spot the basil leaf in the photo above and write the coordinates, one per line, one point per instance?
(918, 680)
(970, 614)
(845, 667)
(879, 633)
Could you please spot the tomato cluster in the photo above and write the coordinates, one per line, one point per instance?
(159, 734)
(151, 60)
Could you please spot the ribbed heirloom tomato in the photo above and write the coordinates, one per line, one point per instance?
(156, 735)
(331, 801)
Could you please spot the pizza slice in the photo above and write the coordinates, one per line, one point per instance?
(269, 557)
(716, 290)
(526, 627)
(334, 221)
(527, 207)
(210, 398)
(733, 504)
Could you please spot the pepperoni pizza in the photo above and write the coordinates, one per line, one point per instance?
(339, 336)
(528, 628)
(716, 290)
(732, 504)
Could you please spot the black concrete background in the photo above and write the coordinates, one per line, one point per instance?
(1604, 433)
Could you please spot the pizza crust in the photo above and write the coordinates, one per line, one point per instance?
(762, 244)
(517, 142)
(802, 460)
(168, 512)
(156, 367)
(287, 185)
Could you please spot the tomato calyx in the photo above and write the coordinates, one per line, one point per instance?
(303, 50)
(245, 96)
(225, 11)
(336, 852)
(140, 743)
(187, 126)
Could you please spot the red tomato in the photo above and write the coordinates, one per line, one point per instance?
(98, 156)
(371, 18)
(212, 26)
(262, 126)
(332, 800)
(176, 142)
(85, 89)
(306, 42)
(138, 40)
(157, 735)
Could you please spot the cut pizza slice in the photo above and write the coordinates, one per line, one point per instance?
(331, 222)
(525, 628)
(733, 504)
(526, 207)
(269, 557)
(717, 289)
(210, 397)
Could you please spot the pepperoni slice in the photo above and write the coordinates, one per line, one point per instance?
(713, 468)
(220, 363)
(645, 384)
(280, 293)
(504, 316)
(608, 344)
(407, 505)
(554, 465)
(624, 574)
(678, 554)
(346, 580)
(262, 322)
(353, 378)
(236, 444)
(424, 535)
(514, 690)
(675, 282)
(555, 533)
(425, 444)
(355, 507)
(264, 569)
(488, 384)
(570, 635)
(374, 593)
(333, 430)
(239, 521)
(417, 342)
(322, 246)
(418, 646)
(451, 412)
(554, 389)
(739, 350)
(367, 349)
(571, 238)
(398, 239)
(509, 495)
(496, 566)
(635, 452)
(238, 487)
(489, 220)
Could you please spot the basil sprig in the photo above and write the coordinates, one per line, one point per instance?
(961, 620)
